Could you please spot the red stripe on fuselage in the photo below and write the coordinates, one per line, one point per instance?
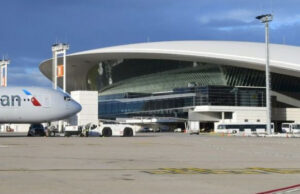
(35, 102)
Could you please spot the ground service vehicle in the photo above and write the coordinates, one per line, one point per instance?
(290, 127)
(82, 130)
(73, 130)
(115, 129)
(90, 129)
(51, 131)
(178, 130)
(103, 129)
(295, 128)
(286, 127)
(193, 127)
(244, 127)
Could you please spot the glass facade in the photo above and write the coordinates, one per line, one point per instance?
(230, 96)
(152, 75)
(177, 102)
(154, 87)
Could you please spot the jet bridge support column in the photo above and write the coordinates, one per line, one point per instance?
(59, 49)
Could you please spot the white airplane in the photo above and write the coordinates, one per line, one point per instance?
(35, 105)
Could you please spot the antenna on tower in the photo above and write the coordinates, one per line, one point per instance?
(66, 38)
(260, 7)
(272, 10)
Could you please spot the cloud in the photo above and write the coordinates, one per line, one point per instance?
(242, 27)
(30, 60)
(242, 15)
(27, 77)
(242, 19)
(281, 20)
(24, 71)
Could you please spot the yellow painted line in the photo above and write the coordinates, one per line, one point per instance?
(252, 170)
(176, 171)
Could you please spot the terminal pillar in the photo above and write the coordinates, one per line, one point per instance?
(59, 50)
(59, 71)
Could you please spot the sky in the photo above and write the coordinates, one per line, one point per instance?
(30, 27)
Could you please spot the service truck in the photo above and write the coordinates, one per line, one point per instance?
(73, 130)
(193, 127)
(117, 129)
(102, 129)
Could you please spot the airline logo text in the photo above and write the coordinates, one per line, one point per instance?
(13, 100)
(16, 100)
(34, 101)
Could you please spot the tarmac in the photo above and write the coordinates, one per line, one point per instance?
(149, 163)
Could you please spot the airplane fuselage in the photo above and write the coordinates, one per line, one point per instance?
(35, 105)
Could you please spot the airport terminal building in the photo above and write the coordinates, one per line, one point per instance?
(206, 81)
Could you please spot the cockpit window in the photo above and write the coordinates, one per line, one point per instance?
(67, 98)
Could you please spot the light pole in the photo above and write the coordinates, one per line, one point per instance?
(266, 18)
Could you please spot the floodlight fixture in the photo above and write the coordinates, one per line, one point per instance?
(265, 18)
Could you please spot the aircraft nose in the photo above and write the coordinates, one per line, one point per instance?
(77, 107)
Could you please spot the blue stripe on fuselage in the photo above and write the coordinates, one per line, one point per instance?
(26, 92)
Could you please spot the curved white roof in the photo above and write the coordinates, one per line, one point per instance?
(283, 59)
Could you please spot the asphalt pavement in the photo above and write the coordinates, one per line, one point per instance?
(148, 163)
